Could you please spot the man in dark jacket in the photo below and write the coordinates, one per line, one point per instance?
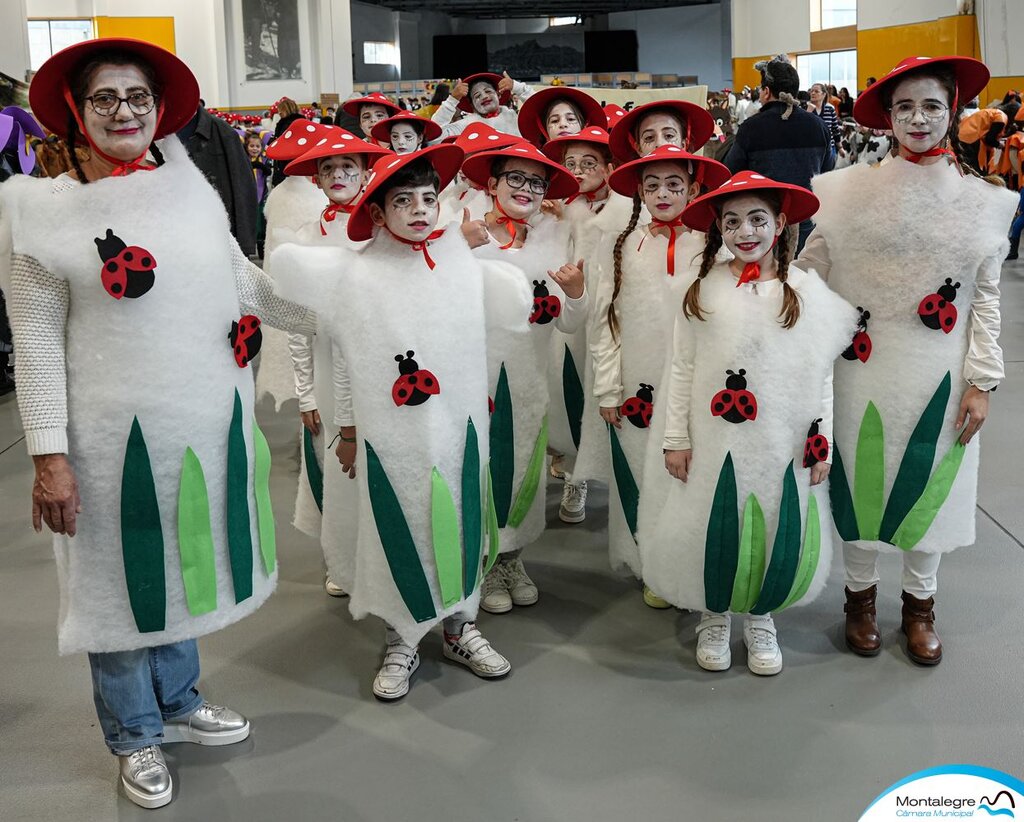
(215, 148)
(782, 141)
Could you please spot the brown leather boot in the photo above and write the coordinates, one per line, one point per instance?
(923, 645)
(862, 635)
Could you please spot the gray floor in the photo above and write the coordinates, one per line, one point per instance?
(605, 716)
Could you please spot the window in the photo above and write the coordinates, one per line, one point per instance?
(837, 68)
(563, 21)
(380, 54)
(833, 14)
(47, 37)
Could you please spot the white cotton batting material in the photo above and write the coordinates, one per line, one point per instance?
(527, 359)
(459, 196)
(384, 303)
(935, 224)
(163, 358)
(785, 370)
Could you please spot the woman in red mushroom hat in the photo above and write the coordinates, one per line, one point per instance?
(558, 112)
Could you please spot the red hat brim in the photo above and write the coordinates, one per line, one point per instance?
(445, 159)
(382, 131)
(561, 183)
(477, 137)
(297, 139)
(331, 145)
(466, 105)
(625, 180)
(555, 149)
(531, 114)
(179, 95)
(700, 126)
(352, 106)
(971, 78)
(798, 204)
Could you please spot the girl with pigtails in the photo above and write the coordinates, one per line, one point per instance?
(912, 388)
(743, 527)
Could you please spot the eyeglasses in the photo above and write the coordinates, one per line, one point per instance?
(583, 165)
(107, 105)
(904, 112)
(517, 180)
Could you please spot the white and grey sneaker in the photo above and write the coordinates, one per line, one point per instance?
(764, 657)
(470, 649)
(574, 502)
(145, 778)
(210, 725)
(520, 586)
(713, 635)
(332, 588)
(392, 680)
(495, 597)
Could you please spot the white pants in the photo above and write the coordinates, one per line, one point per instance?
(920, 570)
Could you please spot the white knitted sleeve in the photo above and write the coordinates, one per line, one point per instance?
(256, 296)
(38, 309)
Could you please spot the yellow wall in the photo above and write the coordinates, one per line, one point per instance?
(743, 73)
(158, 30)
(998, 86)
(880, 50)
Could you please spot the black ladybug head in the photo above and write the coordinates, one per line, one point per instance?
(645, 392)
(406, 364)
(736, 381)
(948, 290)
(109, 246)
(540, 288)
(813, 430)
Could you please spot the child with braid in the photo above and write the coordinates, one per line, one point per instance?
(748, 418)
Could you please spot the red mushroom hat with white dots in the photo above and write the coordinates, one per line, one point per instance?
(333, 142)
(798, 204)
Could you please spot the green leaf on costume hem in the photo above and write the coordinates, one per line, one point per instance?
(444, 526)
(503, 451)
(531, 479)
(396, 539)
(572, 390)
(722, 542)
(472, 513)
(919, 519)
(916, 465)
(142, 538)
(195, 538)
(625, 483)
(239, 522)
(869, 474)
(778, 579)
(314, 474)
(493, 531)
(809, 557)
(843, 513)
(750, 564)
(264, 509)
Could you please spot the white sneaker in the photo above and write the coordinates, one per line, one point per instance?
(475, 652)
(495, 597)
(574, 503)
(764, 657)
(520, 586)
(713, 635)
(392, 680)
(558, 466)
(332, 588)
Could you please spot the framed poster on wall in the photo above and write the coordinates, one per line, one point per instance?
(272, 50)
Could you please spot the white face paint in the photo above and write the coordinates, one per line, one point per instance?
(562, 120)
(483, 97)
(587, 165)
(410, 212)
(666, 188)
(369, 115)
(404, 138)
(749, 227)
(520, 201)
(659, 129)
(341, 177)
(920, 113)
(121, 133)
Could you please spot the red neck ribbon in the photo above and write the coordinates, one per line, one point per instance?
(493, 114)
(329, 213)
(752, 271)
(590, 196)
(509, 222)
(670, 254)
(121, 168)
(420, 245)
(918, 156)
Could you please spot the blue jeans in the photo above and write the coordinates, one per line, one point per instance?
(135, 691)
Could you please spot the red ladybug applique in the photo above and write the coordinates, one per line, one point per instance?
(816, 447)
(546, 306)
(937, 310)
(246, 339)
(734, 403)
(638, 409)
(860, 347)
(415, 385)
(128, 270)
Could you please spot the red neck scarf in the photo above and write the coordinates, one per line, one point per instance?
(121, 167)
(509, 222)
(420, 245)
(492, 115)
(918, 156)
(752, 271)
(670, 254)
(590, 196)
(329, 213)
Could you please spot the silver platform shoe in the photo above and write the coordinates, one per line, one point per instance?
(145, 778)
